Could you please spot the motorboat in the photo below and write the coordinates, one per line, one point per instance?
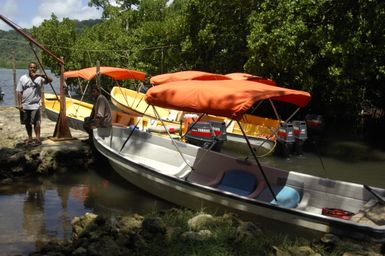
(199, 178)
(262, 131)
(78, 109)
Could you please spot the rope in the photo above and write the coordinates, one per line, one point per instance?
(132, 131)
(124, 95)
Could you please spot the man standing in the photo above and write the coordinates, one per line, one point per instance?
(101, 116)
(28, 92)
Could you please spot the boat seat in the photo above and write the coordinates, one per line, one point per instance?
(240, 183)
(286, 196)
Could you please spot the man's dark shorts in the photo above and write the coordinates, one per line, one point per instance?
(30, 116)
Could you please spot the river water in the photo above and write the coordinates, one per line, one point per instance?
(33, 212)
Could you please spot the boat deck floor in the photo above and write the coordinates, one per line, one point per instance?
(162, 167)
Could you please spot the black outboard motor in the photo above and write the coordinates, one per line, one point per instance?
(204, 134)
(285, 139)
(315, 124)
(300, 135)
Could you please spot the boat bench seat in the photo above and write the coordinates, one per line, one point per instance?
(240, 183)
(286, 196)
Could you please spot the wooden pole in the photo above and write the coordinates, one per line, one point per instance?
(98, 74)
(14, 75)
(43, 88)
(162, 61)
(62, 131)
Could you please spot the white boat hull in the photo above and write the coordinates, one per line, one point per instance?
(169, 178)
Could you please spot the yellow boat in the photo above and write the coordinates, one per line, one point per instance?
(77, 110)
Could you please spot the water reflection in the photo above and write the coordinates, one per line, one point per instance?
(34, 212)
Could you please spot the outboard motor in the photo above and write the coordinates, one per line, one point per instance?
(285, 139)
(204, 134)
(315, 124)
(300, 135)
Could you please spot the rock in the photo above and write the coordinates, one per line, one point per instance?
(197, 236)
(80, 224)
(231, 219)
(205, 234)
(201, 221)
(127, 223)
(330, 239)
(154, 225)
(302, 251)
(247, 230)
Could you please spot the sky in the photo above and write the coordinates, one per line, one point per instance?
(29, 13)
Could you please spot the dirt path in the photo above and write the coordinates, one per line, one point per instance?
(12, 133)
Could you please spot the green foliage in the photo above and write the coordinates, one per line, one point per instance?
(58, 37)
(226, 240)
(13, 47)
(215, 35)
(328, 48)
(333, 49)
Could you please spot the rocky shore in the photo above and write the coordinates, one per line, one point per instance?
(171, 232)
(182, 232)
(21, 160)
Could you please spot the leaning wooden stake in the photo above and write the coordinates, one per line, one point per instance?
(62, 131)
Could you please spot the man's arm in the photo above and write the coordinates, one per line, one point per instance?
(47, 79)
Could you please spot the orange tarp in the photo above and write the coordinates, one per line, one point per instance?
(250, 77)
(228, 98)
(115, 73)
(186, 75)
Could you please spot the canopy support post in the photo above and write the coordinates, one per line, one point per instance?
(258, 163)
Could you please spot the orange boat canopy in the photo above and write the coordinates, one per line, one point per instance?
(186, 75)
(228, 98)
(250, 77)
(115, 73)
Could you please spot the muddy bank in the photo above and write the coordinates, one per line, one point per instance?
(20, 160)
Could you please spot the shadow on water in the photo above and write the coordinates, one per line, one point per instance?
(34, 212)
